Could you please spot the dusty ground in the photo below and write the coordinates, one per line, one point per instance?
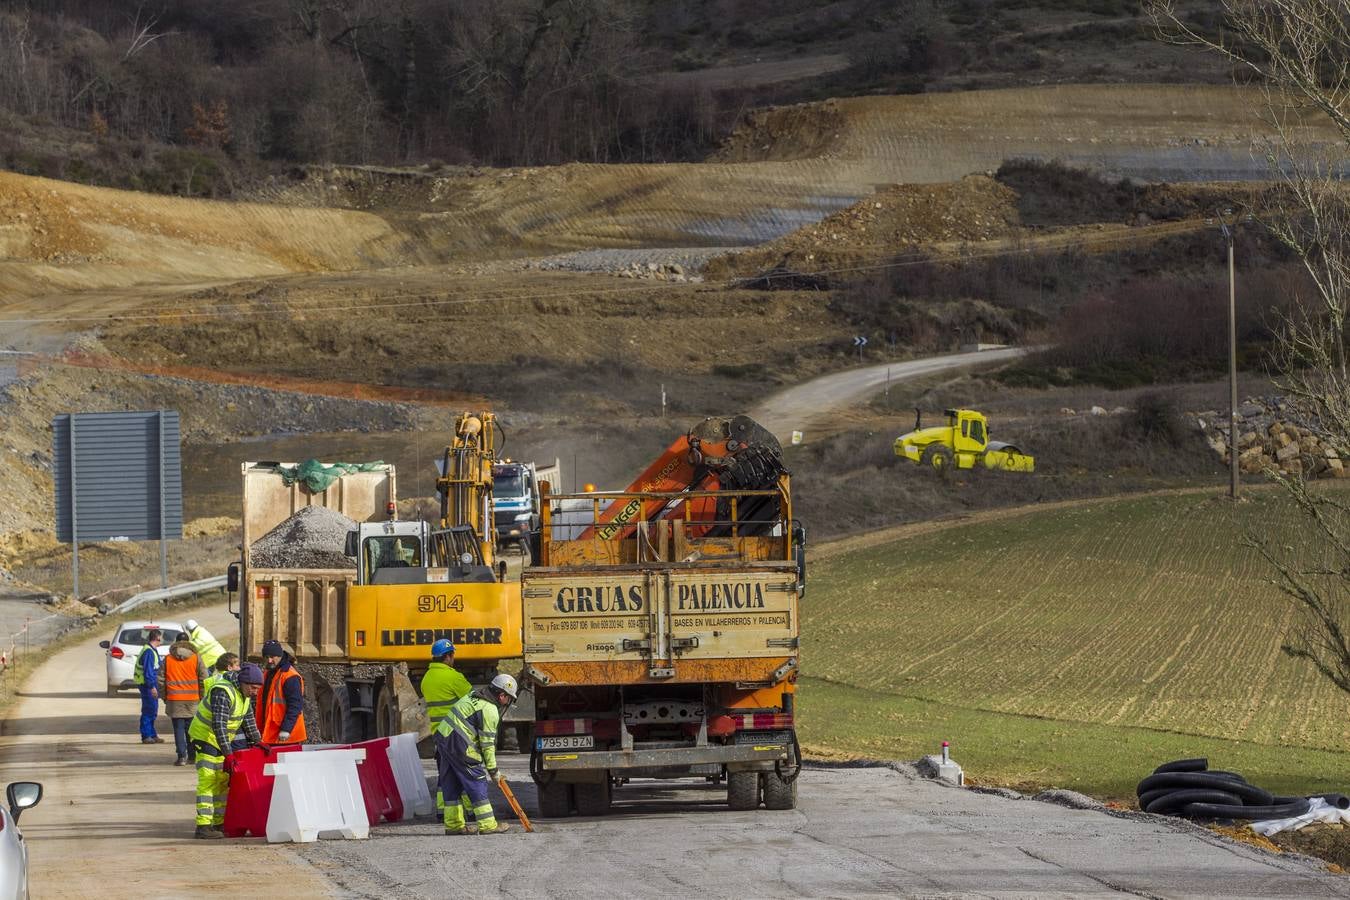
(113, 807)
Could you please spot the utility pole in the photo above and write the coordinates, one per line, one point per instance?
(1228, 223)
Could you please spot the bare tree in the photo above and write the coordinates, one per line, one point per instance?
(1299, 51)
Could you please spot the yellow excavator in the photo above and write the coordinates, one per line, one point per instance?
(417, 583)
(962, 443)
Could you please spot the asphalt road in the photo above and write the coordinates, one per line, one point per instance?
(807, 406)
(117, 811)
(857, 832)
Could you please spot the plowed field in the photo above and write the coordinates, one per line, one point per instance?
(1130, 616)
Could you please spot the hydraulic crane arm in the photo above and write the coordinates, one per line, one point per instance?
(737, 450)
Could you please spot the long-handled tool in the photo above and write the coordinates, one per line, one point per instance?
(515, 804)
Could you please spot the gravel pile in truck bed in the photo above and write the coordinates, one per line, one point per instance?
(313, 538)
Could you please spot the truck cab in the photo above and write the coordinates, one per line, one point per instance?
(515, 499)
(515, 502)
(414, 553)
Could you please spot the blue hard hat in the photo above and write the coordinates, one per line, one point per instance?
(441, 647)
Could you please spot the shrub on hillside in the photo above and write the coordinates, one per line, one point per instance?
(1155, 418)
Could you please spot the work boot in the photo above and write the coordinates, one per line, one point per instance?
(218, 826)
(500, 828)
(180, 761)
(207, 833)
(457, 831)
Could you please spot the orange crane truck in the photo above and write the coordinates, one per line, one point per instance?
(661, 628)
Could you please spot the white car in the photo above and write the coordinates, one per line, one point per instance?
(127, 643)
(13, 851)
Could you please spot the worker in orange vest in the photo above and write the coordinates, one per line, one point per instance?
(282, 700)
(180, 684)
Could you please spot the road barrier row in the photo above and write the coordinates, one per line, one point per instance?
(344, 789)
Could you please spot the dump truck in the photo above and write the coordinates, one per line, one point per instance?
(661, 627)
(962, 443)
(361, 609)
(515, 500)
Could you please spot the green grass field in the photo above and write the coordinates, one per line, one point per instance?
(1076, 647)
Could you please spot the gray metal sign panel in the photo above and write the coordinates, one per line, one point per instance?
(118, 475)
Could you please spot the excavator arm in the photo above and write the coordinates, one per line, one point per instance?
(732, 453)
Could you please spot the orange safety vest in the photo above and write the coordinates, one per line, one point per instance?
(274, 705)
(180, 679)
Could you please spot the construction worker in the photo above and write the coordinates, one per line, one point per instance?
(466, 757)
(207, 647)
(227, 708)
(283, 697)
(180, 684)
(442, 685)
(146, 675)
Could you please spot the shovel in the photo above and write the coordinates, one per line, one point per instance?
(515, 804)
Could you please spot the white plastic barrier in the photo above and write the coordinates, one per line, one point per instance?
(316, 793)
(412, 781)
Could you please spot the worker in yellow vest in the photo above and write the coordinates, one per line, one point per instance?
(207, 647)
(442, 685)
(226, 709)
(466, 757)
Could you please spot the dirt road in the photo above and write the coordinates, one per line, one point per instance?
(115, 811)
(808, 406)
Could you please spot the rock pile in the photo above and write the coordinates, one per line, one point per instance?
(313, 538)
(1271, 438)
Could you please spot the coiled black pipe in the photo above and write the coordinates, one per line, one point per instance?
(1187, 787)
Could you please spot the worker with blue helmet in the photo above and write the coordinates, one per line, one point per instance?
(442, 686)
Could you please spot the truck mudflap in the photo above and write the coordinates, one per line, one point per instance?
(618, 760)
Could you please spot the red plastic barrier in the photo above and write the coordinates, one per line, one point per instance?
(250, 794)
(379, 787)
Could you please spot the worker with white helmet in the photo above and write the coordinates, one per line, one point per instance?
(205, 643)
(466, 757)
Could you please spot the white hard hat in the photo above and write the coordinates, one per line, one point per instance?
(191, 624)
(506, 684)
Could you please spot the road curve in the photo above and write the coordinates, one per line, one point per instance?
(805, 405)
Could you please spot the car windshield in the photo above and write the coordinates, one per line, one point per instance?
(139, 637)
(509, 483)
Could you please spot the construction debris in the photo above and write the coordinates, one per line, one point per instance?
(313, 538)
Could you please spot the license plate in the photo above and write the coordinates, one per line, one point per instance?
(565, 742)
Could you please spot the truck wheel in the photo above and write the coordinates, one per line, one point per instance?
(525, 739)
(593, 799)
(939, 459)
(336, 722)
(386, 713)
(779, 794)
(743, 790)
(555, 800)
